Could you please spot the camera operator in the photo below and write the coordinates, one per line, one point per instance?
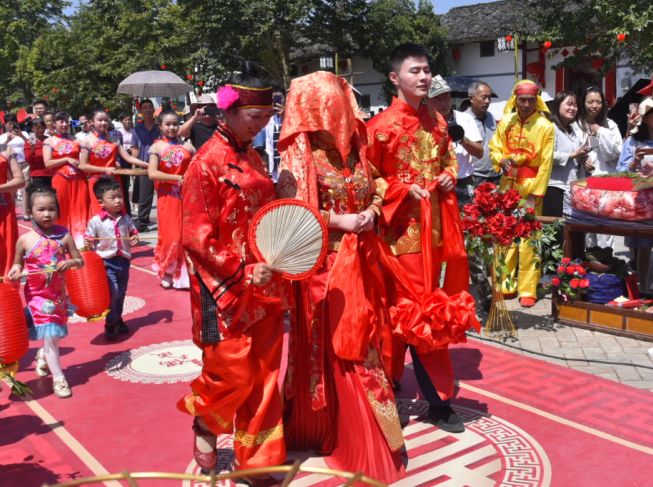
(468, 143)
(464, 133)
(203, 121)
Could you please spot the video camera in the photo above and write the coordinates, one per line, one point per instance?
(456, 132)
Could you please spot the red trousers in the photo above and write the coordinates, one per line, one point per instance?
(238, 386)
(438, 362)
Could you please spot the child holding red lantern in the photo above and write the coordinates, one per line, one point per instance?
(42, 254)
(112, 233)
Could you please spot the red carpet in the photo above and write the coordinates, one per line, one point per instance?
(529, 423)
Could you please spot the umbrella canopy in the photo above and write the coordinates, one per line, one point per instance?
(619, 112)
(149, 84)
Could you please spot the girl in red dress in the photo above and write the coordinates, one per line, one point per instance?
(338, 400)
(99, 155)
(61, 154)
(11, 179)
(169, 159)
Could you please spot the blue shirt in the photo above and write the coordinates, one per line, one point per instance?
(628, 152)
(143, 139)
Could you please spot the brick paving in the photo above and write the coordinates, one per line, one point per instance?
(537, 332)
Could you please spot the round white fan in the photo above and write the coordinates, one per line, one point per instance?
(291, 236)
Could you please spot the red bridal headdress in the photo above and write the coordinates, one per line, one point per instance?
(238, 96)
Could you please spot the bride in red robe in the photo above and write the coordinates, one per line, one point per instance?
(338, 401)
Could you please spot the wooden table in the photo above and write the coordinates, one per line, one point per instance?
(610, 319)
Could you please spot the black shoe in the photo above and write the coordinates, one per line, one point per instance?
(110, 333)
(445, 418)
(121, 328)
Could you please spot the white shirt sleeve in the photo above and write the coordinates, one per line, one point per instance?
(466, 121)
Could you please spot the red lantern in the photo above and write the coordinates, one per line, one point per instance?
(455, 53)
(88, 287)
(164, 67)
(547, 44)
(106, 110)
(13, 329)
(189, 77)
(621, 37)
(200, 83)
(508, 38)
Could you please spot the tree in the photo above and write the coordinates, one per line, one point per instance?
(393, 22)
(22, 23)
(594, 28)
(79, 66)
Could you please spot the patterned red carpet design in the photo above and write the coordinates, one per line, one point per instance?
(529, 423)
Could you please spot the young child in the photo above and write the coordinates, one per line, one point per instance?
(112, 234)
(42, 254)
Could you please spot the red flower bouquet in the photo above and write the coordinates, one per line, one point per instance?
(492, 222)
(570, 279)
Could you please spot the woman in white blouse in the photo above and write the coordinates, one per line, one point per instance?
(604, 140)
(569, 155)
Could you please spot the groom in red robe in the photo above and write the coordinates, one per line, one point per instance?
(410, 148)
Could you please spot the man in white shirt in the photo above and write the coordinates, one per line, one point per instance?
(267, 139)
(14, 140)
(468, 142)
(85, 124)
(480, 95)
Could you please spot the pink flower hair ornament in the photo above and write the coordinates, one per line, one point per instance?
(227, 97)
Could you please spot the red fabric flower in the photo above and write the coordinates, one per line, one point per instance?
(571, 270)
(566, 260)
(561, 269)
(574, 283)
(555, 281)
(584, 283)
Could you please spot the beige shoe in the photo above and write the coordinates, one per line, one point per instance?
(41, 366)
(61, 388)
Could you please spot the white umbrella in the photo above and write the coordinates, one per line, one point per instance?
(149, 84)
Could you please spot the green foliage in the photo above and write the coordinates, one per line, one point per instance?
(77, 62)
(392, 22)
(548, 247)
(592, 26)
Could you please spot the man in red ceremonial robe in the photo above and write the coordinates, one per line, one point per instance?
(411, 150)
(236, 306)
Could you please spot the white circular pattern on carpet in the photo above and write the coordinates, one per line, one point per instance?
(491, 451)
(132, 304)
(161, 363)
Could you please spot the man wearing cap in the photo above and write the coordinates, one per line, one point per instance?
(522, 149)
(468, 143)
(200, 126)
(465, 147)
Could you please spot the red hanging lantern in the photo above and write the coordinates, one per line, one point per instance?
(88, 287)
(189, 77)
(455, 53)
(164, 67)
(621, 37)
(508, 38)
(13, 329)
(547, 44)
(200, 83)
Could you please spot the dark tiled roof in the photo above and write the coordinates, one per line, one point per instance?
(486, 21)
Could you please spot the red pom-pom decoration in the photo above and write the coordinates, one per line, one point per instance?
(88, 287)
(547, 44)
(13, 329)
